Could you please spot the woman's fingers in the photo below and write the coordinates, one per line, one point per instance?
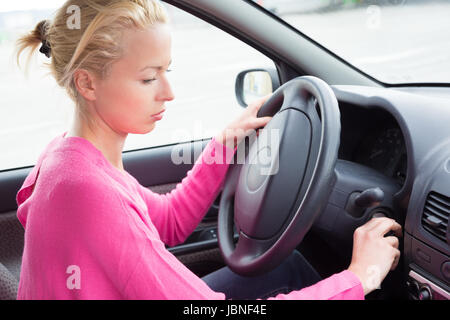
(261, 122)
(372, 250)
(244, 125)
(381, 226)
(393, 241)
(259, 103)
(396, 259)
(263, 100)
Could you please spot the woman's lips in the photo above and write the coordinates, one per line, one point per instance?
(158, 116)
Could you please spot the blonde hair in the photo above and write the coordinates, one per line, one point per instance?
(96, 44)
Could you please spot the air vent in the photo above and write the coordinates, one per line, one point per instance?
(435, 215)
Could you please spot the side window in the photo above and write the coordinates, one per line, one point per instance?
(33, 108)
(205, 63)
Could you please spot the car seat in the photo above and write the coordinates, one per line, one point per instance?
(8, 284)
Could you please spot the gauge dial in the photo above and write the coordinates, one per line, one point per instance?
(384, 151)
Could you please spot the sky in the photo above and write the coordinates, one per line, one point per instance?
(13, 5)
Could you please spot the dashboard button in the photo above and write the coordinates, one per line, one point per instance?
(413, 287)
(425, 293)
(421, 255)
(445, 269)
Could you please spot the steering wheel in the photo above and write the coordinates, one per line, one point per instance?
(280, 181)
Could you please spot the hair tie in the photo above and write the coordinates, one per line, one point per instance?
(45, 48)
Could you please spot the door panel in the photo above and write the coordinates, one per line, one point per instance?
(154, 166)
(10, 183)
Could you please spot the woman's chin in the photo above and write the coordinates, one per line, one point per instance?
(149, 128)
(143, 130)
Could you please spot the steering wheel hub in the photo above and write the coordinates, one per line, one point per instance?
(257, 169)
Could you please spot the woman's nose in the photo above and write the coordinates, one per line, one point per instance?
(170, 95)
(166, 92)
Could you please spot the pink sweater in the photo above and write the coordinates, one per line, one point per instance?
(93, 232)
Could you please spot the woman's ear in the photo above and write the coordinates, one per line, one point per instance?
(85, 84)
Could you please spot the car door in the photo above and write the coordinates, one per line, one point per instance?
(206, 61)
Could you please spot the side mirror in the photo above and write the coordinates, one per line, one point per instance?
(255, 83)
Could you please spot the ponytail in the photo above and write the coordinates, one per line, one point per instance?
(34, 39)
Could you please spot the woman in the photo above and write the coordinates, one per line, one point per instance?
(91, 230)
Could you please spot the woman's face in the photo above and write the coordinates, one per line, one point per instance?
(137, 86)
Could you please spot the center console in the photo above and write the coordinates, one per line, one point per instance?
(427, 237)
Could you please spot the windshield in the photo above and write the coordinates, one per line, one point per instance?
(394, 41)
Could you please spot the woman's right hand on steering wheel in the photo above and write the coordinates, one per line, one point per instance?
(374, 255)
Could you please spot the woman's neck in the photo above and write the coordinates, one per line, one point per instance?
(109, 142)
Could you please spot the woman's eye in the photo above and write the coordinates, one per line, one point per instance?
(148, 81)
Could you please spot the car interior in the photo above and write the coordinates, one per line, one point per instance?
(393, 160)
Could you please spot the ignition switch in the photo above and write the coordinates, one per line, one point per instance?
(358, 202)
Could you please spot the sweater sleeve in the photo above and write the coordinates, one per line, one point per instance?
(341, 286)
(176, 214)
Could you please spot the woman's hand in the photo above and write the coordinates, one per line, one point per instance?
(374, 255)
(244, 125)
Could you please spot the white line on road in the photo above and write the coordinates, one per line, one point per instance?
(390, 57)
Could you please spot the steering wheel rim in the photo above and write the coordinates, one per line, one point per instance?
(274, 203)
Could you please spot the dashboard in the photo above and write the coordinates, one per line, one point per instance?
(374, 139)
(384, 150)
(398, 140)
